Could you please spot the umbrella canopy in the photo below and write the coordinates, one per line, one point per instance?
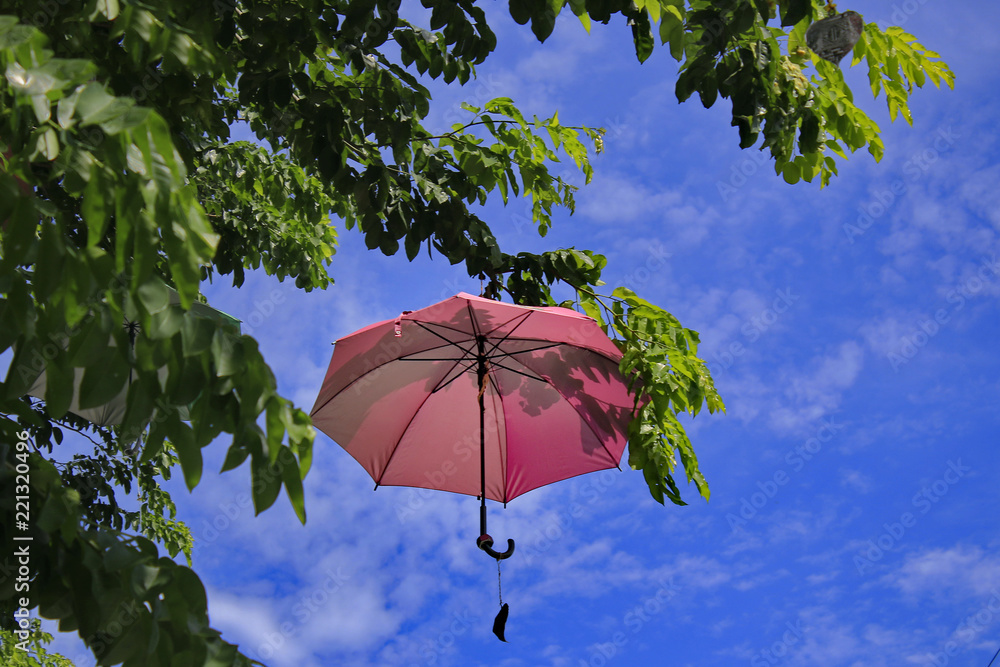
(472, 394)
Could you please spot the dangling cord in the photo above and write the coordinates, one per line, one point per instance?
(499, 589)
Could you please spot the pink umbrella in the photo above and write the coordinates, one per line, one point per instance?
(477, 397)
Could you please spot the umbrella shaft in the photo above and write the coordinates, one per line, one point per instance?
(482, 467)
(482, 434)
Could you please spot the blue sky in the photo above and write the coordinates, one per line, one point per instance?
(854, 517)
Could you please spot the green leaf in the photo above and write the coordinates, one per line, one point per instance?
(59, 384)
(642, 36)
(104, 378)
(51, 258)
(791, 173)
(66, 109)
(197, 334)
(104, 10)
(92, 103)
(227, 353)
(672, 492)
(95, 208)
(235, 457)
(266, 483)
(794, 11)
(293, 482)
(182, 439)
(47, 144)
(42, 108)
(154, 296)
(651, 473)
(91, 342)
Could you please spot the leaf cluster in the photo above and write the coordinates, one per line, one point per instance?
(29, 652)
(128, 604)
(118, 178)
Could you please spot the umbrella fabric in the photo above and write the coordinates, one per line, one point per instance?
(112, 413)
(401, 396)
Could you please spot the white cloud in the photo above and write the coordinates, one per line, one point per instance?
(612, 198)
(964, 570)
(818, 392)
(855, 480)
(979, 192)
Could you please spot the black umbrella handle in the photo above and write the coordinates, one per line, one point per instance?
(485, 542)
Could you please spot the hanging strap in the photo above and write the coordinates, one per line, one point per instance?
(499, 588)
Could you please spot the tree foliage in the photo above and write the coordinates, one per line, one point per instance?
(31, 651)
(118, 173)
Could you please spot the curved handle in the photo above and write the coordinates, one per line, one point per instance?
(485, 542)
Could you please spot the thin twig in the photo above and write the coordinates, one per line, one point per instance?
(599, 298)
(84, 434)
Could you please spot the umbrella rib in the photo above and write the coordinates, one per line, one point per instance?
(457, 360)
(450, 343)
(514, 370)
(389, 361)
(423, 325)
(395, 448)
(504, 468)
(522, 316)
(503, 460)
(505, 353)
(499, 396)
(440, 386)
(508, 334)
(491, 356)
